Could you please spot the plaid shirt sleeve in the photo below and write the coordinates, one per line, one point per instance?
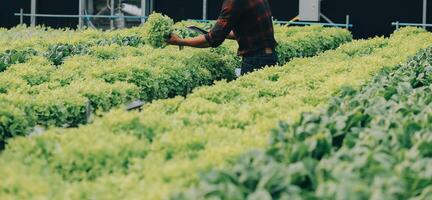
(223, 25)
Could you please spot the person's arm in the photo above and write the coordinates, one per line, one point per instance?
(198, 42)
(220, 31)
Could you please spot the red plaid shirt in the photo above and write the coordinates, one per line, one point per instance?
(251, 22)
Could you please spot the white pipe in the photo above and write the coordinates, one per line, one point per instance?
(132, 9)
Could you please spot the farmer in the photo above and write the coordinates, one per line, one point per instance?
(247, 21)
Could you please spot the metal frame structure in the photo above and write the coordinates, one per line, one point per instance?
(78, 16)
(347, 25)
(329, 22)
(147, 7)
(424, 23)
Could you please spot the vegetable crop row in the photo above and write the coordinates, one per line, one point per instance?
(40, 92)
(151, 154)
(57, 52)
(369, 143)
(40, 38)
(56, 45)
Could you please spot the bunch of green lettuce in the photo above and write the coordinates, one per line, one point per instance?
(157, 29)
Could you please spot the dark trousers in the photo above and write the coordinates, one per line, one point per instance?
(258, 60)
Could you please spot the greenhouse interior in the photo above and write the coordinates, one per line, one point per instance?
(215, 100)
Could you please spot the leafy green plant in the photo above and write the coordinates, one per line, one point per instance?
(58, 52)
(129, 40)
(368, 143)
(13, 122)
(158, 29)
(182, 30)
(11, 57)
(319, 40)
(98, 76)
(21, 43)
(207, 129)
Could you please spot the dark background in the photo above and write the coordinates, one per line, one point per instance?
(370, 17)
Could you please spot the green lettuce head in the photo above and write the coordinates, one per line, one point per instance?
(158, 29)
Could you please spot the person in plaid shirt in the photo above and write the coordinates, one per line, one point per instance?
(247, 21)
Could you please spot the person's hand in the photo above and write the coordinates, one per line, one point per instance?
(174, 39)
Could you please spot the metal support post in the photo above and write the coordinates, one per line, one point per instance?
(397, 25)
(204, 17)
(151, 6)
(21, 17)
(326, 18)
(33, 12)
(347, 21)
(90, 7)
(112, 14)
(80, 13)
(143, 10)
(424, 13)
